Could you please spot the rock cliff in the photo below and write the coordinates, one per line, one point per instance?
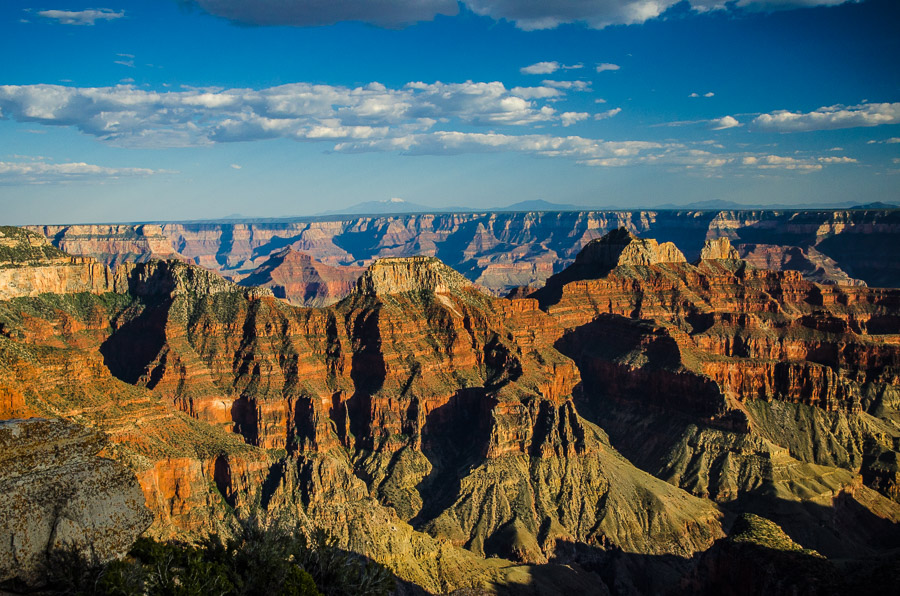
(616, 420)
(503, 250)
(751, 387)
(301, 280)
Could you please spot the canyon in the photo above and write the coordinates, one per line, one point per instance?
(497, 250)
(633, 419)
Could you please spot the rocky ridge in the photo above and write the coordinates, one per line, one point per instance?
(421, 415)
(301, 280)
(500, 251)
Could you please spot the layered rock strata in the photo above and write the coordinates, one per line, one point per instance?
(301, 280)
(503, 250)
(420, 415)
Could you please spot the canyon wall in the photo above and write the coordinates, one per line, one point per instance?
(500, 251)
(614, 421)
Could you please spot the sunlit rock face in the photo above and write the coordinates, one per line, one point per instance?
(501, 251)
(632, 405)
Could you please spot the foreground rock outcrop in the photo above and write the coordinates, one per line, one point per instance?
(58, 494)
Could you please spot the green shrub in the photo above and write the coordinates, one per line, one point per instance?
(273, 560)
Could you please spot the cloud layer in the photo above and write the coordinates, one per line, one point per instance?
(306, 13)
(40, 172)
(830, 118)
(81, 17)
(417, 118)
(525, 14)
(126, 115)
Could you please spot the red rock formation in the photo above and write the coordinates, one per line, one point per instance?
(303, 281)
(420, 414)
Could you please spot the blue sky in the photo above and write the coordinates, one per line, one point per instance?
(178, 109)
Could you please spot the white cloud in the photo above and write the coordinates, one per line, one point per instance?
(607, 66)
(837, 160)
(707, 94)
(127, 115)
(453, 142)
(607, 114)
(540, 68)
(40, 172)
(573, 85)
(570, 118)
(830, 118)
(128, 63)
(541, 92)
(597, 14)
(81, 17)
(768, 162)
(724, 122)
(235, 166)
(890, 141)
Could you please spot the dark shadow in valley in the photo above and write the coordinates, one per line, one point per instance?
(753, 559)
(360, 244)
(368, 372)
(455, 437)
(136, 343)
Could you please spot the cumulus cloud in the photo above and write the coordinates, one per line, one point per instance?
(707, 94)
(540, 68)
(534, 14)
(81, 17)
(769, 162)
(452, 142)
(306, 13)
(570, 118)
(607, 114)
(837, 160)
(127, 115)
(723, 123)
(541, 92)
(830, 118)
(40, 172)
(573, 85)
(607, 66)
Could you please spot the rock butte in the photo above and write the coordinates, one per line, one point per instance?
(616, 420)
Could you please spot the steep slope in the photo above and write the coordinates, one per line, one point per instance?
(755, 388)
(414, 379)
(503, 250)
(418, 416)
(433, 427)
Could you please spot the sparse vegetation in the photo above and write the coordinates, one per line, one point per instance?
(19, 246)
(258, 561)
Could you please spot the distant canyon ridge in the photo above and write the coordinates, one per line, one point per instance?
(316, 261)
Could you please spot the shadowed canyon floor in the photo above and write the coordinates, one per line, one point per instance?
(639, 424)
